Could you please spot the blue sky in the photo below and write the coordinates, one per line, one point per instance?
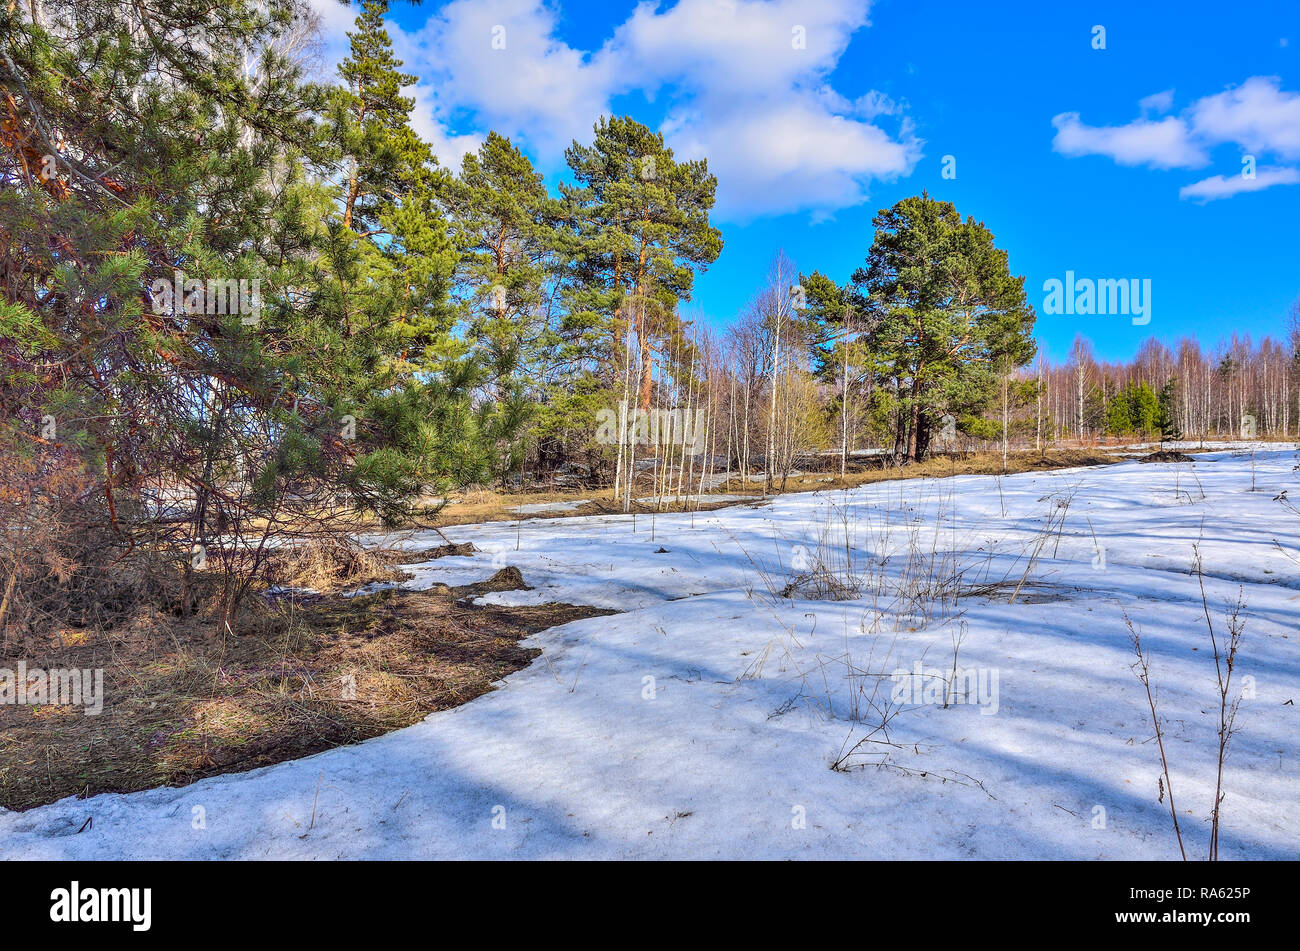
(1123, 162)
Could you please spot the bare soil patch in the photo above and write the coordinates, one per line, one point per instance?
(1166, 455)
(185, 700)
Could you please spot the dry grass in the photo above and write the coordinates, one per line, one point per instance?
(184, 700)
(487, 505)
(331, 564)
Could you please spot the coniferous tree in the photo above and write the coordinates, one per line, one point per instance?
(1169, 429)
(171, 244)
(151, 189)
(383, 156)
(947, 314)
(637, 230)
(503, 224)
(386, 277)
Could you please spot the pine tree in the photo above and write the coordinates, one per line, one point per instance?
(503, 224)
(947, 314)
(150, 224)
(827, 316)
(141, 153)
(386, 278)
(637, 230)
(383, 155)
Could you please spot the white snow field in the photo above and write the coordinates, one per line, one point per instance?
(704, 721)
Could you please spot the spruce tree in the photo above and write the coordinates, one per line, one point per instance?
(1169, 429)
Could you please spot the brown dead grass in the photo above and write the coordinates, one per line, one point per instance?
(332, 564)
(184, 700)
(486, 506)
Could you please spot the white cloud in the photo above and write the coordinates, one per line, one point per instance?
(1162, 143)
(448, 147)
(1158, 102)
(747, 86)
(1257, 116)
(745, 48)
(871, 104)
(528, 84)
(743, 83)
(1225, 186)
(792, 155)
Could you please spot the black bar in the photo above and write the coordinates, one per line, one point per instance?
(935, 901)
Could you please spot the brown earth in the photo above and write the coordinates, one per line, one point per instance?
(183, 700)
